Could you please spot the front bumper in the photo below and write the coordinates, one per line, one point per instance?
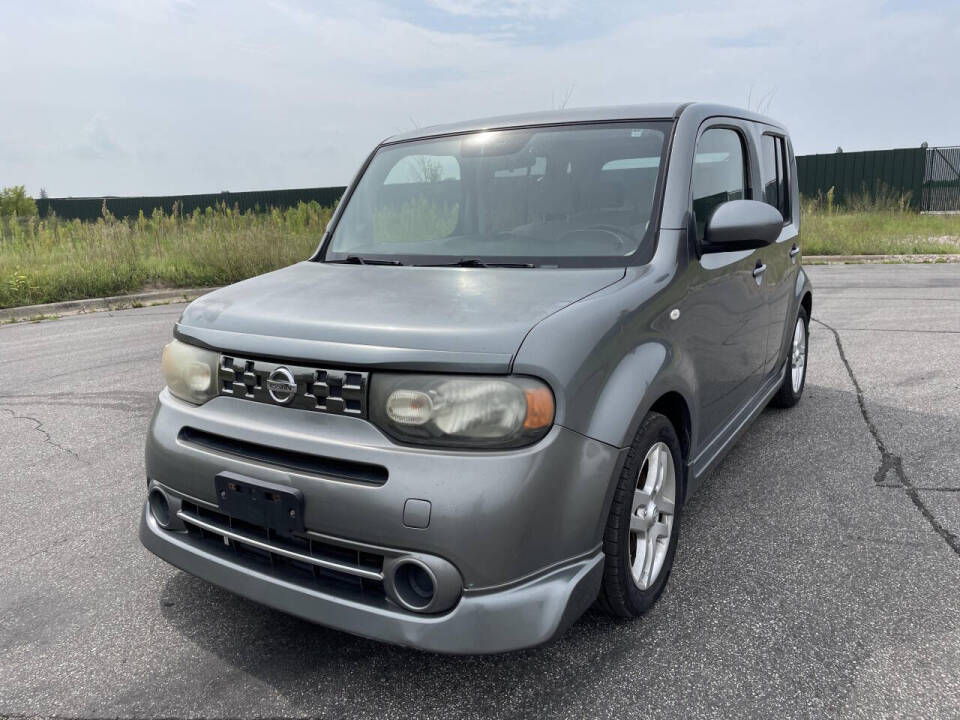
(524, 615)
(522, 528)
(498, 516)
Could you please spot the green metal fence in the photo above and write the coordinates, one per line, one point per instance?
(928, 177)
(896, 172)
(123, 207)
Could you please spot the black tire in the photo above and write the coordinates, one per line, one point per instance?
(786, 396)
(619, 594)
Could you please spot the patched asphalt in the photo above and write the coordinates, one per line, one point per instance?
(818, 573)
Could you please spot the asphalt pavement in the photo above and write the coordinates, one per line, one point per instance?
(818, 572)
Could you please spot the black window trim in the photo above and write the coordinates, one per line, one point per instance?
(745, 146)
(788, 176)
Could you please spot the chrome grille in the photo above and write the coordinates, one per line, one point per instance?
(338, 392)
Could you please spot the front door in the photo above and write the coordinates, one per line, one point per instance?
(725, 312)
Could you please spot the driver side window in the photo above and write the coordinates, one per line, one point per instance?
(719, 173)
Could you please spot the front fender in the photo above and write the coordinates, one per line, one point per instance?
(624, 392)
(609, 356)
(642, 377)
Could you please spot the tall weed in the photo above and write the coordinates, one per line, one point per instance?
(52, 259)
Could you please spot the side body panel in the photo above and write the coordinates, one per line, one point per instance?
(723, 327)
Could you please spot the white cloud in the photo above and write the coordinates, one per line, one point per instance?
(528, 9)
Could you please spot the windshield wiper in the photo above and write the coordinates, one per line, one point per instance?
(478, 263)
(359, 260)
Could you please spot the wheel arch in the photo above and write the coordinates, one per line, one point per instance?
(803, 293)
(654, 375)
(674, 407)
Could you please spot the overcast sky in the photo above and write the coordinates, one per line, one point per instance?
(173, 96)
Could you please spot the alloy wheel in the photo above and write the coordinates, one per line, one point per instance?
(798, 355)
(652, 515)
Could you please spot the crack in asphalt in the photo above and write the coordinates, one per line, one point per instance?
(38, 426)
(43, 551)
(890, 461)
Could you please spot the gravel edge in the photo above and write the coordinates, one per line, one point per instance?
(879, 259)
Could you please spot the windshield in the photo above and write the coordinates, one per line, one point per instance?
(573, 195)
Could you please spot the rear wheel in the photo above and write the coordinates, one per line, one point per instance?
(792, 387)
(641, 534)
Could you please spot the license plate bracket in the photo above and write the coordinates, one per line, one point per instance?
(278, 507)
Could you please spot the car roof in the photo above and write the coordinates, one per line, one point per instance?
(649, 111)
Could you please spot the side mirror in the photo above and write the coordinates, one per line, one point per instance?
(742, 225)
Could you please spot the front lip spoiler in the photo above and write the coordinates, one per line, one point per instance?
(522, 616)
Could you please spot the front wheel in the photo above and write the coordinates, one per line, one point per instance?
(641, 534)
(792, 388)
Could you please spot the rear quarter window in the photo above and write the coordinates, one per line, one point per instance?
(774, 165)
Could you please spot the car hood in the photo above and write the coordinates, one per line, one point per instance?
(386, 315)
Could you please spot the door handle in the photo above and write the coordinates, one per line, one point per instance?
(760, 269)
(794, 251)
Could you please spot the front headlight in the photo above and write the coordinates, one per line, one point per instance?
(190, 371)
(461, 411)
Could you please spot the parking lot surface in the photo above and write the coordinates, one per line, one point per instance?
(818, 572)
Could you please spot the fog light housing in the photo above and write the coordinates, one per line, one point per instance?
(415, 585)
(159, 507)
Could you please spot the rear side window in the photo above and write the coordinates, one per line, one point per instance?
(719, 173)
(776, 186)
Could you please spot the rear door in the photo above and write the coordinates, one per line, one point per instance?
(725, 316)
(782, 258)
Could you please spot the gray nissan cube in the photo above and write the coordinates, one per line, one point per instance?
(478, 409)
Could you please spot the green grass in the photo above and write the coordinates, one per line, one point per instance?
(50, 260)
(879, 233)
(417, 218)
(878, 223)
